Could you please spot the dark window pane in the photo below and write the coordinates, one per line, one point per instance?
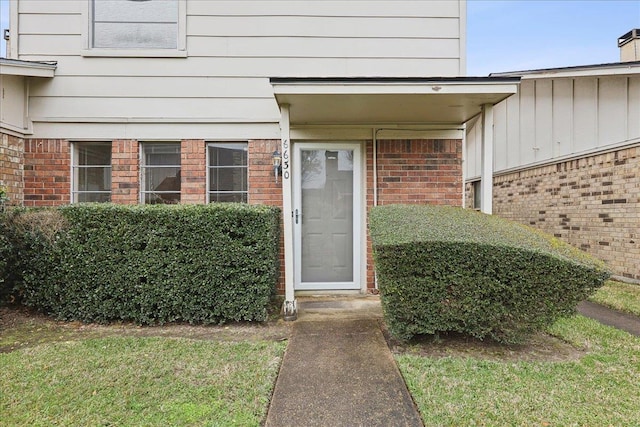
(94, 154)
(230, 154)
(161, 154)
(161, 198)
(162, 179)
(93, 179)
(93, 197)
(228, 197)
(228, 179)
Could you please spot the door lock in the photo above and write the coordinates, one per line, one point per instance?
(297, 216)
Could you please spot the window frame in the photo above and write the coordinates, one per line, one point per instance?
(210, 168)
(142, 183)
(89, 51)
(75, 157)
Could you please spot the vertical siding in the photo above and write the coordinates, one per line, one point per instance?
(552, 118)
(233, 48)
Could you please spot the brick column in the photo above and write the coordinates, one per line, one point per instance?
(12, 167)
(193, 185)
(46, 172)
(125, 172)
(263, 189)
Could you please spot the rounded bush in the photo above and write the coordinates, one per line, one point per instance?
(444, 269)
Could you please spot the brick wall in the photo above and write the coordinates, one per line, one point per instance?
(592, 203)
(193, 185)
(11, 167)
(263, 189)
(422, 171)
(46, 172)
(125, 172)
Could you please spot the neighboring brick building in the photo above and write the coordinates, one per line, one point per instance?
(567, 159)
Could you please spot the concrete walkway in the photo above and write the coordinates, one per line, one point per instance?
(338, 370)
(607, 316)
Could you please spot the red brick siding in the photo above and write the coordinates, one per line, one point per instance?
(263, 189)
(46, 172)
(193, 171)
(592, 203)
(125, 172)
(424, 171)
(11, 167)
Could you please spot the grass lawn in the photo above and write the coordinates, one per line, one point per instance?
(135, 381)
(621, 296)
(598, 388)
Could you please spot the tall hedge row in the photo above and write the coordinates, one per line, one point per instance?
(443, 269)
(148, 264)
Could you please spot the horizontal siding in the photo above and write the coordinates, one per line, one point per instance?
(304, 47)
(316, 26)
(233, 47)
(554, 118)
(250, 67)
(329, 8)
(232, 109)
(153, 87)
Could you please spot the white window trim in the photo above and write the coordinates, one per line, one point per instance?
(209, 167)
(180, 52)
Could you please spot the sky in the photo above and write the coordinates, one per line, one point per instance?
(516, 35)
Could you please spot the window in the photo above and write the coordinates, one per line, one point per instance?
(227, 172)
(91, 172)
(160, 173)
(476, 194)
(152, 26)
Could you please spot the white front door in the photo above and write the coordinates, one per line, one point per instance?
(326, 215)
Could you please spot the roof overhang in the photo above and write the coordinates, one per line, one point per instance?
(13, 67)
(454, 100)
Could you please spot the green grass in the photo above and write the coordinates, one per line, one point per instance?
(621, 296)
(598, 389)
(133, 381)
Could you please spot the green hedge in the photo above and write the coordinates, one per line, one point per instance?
(443, 269)
(148, 264)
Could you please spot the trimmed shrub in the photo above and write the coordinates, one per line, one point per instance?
(444, 269)
(151, 264)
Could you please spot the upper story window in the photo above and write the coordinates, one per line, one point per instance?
(91, 172)
(228, 172)
(160, 173)
(136, 28)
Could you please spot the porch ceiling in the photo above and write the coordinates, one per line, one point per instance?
(316, 101)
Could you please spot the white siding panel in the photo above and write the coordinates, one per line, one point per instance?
(543, 120)
(563, 116)
(50, 7)
(12, 97)
(435, 8)
(70, 24)
(316, 26)
(473, 150)
(513, 130)
(322, 47)
(527, 122)
(500, 152)
(253, 67)
(612, 110)
(585, 113)
(634, 108)
(136, 108)
(152, 87)
(49, 46)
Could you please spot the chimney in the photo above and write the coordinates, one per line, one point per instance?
(629, 45)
